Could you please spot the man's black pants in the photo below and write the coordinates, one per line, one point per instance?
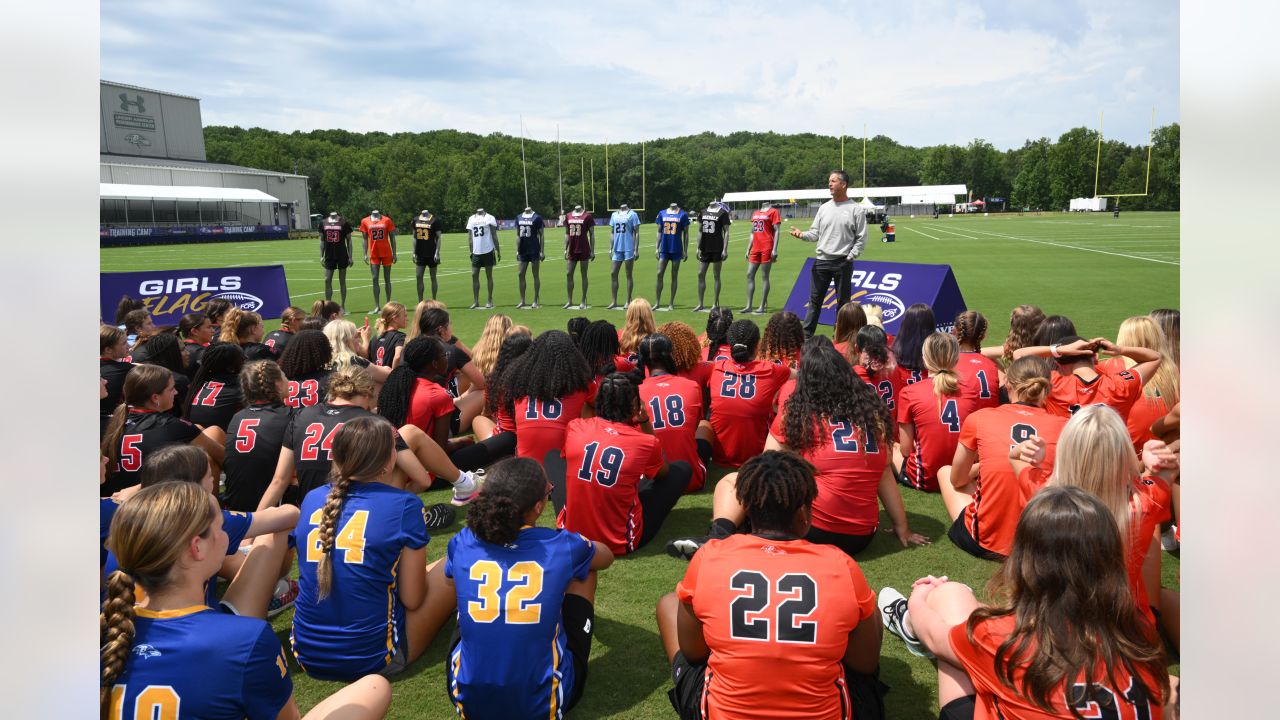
(824, 271)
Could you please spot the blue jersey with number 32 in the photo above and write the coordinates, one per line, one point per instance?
(513, 660)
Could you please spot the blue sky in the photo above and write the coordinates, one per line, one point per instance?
(920, 72)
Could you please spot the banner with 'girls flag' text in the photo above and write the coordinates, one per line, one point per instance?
(170, 294)
(893, 286)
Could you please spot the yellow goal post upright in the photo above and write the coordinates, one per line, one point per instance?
(1097, 163)
(643, 180)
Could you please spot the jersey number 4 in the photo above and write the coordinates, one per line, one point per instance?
(748, 612)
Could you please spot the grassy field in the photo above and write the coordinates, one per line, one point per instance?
(1093, 268)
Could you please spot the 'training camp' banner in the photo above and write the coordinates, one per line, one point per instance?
(892, 286)
(170, 294)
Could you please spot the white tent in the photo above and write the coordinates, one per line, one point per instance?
(118, 191)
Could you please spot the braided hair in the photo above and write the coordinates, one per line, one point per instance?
(656, 354)
(970, 329)
(783, 337)
(217, 359)
(685, 350)
(718, 323)
(260, 382)
(514, 487)
(743, 339)
(576, 326)
(828, 390)
(497, 382)
(772, 487)
(908, 345)
(416, 360)
(618, 399)
(599, 345)
(308, 352)
(552, 369)
(149, 535)
(165, 350)
(362, 448)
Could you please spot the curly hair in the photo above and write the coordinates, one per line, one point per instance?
(1024, 320)
(638, 325)
(618, 399)
(416, 360)
(599, 346)
(783, 338)
(743, 339)
(828, 390)
(308, 352)
(551, 369)
(718, 323)
(575, 327)
(497, 382)
(361, 449)
(872, 341)
(772, 487)
(685, 350)
(970, 329)
(165, 350)
(514, 487)
(260, 382)
(219, 359)
(908, 345)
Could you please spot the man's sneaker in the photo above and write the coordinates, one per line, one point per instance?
(439, 516)
(893, 610)
(283, 598)
(685, 547)
(466, 488)
(1169, 539)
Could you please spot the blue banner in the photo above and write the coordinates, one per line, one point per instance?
(170, 294)
(893, 287)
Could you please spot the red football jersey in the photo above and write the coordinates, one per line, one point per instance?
(576, 227)
(742, 397)
(937, 423)
(979, 379)
(540, 425)
(1122, 701)
(604, 462)
(776, 615)
(429, 402)
(848, 466)
(1145, 411)
(674, 405)
(998, 501)
(700, 373)
(1119, 391)
(377, 230)
(763, 223)
(887, 384)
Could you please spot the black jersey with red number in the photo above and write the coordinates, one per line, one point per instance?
(114, 371)
(310, 436)
(144, 432)
(254, 438)
(216, 401)
(308, 390)
(275, 342)
(257, 351)
(383, 350)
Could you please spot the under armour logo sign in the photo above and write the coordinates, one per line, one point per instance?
(136, 105)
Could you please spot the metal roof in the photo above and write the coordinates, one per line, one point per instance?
(119, 191)
(112, 83)
(825, 194)
(136, 160)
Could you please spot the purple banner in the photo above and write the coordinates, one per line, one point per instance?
(114, 232)
(893, 287)
(170, 294)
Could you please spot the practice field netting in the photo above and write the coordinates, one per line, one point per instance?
(1093, 268)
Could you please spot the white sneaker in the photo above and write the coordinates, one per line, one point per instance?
(466, 488)
(1169, 539)
(893, 611)
(374, 311)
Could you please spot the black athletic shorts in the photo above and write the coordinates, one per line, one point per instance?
(959, 535)
(959, 709)
(850, 544)
(485, 260)
(424, 253)
(527, 251)
(690, 682)
(336, 260)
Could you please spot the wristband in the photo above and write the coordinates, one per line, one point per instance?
(1053, 350)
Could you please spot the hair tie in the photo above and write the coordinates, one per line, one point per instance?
(739, 345)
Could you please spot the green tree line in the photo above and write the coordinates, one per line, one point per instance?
(452, 173)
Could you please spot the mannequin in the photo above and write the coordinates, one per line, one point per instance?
(713, 248)
(335, 253)
(426, 248)
(482, 230)
(529, 249)
(766, 232)
(379, 233)
(624, 223)
(673, 247)
(579, 249)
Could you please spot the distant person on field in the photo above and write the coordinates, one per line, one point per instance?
(840, 229)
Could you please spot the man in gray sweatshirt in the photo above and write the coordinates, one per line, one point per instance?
(840, 229)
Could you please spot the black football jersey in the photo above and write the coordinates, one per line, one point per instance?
(308, 390)
(254, 438)
(216, 401)
(144, 433)
(383, 350)
(275, 342)
(310, 436)
(114, 371)
(426, 235)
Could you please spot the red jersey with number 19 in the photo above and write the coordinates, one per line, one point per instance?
(604, 462)
(776, 615)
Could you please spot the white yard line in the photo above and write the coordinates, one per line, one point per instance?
(1076, 247)
(908, 227)
(935, 228)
